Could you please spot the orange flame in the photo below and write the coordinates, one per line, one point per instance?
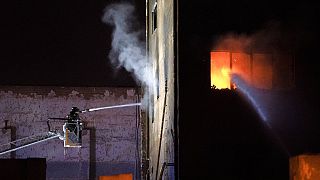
(220, 70)
(255, 69)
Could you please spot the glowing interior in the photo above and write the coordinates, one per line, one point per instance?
(255, 69)
(220, 70)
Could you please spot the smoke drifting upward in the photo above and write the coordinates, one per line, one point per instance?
(272, 38)
(233, 42)
(128, 50)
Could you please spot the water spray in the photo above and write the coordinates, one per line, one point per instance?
(73, 126)
(110, 107)
(248, 93)
(245, 90)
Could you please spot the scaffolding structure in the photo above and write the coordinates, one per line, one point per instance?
(27, 141)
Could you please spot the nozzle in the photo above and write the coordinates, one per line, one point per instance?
(84, 111)
(75, 110)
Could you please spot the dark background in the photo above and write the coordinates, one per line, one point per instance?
(62, 43)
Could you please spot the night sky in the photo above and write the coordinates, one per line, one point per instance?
(62, 43)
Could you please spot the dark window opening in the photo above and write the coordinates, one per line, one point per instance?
(154, 17)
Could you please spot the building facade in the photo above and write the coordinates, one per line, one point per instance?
(162, 105)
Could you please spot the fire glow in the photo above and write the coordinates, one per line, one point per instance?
(251, 74)
(255, 69)
(220, 70)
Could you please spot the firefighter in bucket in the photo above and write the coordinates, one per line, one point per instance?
(73, 129)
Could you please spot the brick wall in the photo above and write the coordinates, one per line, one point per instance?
(109, 142)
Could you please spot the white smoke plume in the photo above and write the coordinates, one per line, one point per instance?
(128, 50)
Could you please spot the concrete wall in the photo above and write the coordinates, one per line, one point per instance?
(161, 123)
(109, 145)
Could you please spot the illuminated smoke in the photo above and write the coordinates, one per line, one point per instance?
(128, 50)
(273, 37)
(233, 42)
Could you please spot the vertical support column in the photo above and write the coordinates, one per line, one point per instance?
(92, 152)
(272, 69)
(293, 70)
(230, 55)
(13, 137)
(251, 68)
(138, 135)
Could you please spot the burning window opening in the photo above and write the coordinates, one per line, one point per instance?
(259, 70)
(220, 70)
